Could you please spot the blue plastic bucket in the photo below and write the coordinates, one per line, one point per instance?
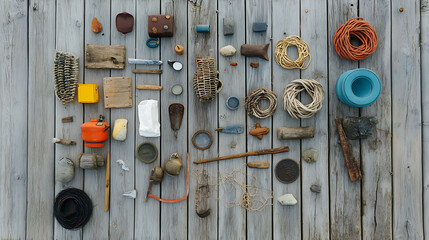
(358, 88)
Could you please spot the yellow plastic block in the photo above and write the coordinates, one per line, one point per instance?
(87, 93)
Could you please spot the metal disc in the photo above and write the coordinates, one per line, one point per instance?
(287, 171)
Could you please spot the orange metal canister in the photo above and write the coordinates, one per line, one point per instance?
(94, 133)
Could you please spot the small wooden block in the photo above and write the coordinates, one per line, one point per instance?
(149, 71)
(67, 119)
(118, 92)
(104, 57)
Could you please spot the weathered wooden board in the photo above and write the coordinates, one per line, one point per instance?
(344, 194)
(122, 209)
(147, 214)
(13, 119)
(202, 116)
(259, 11)
(98, 227)
(315, 206)
(41, 120)
(424, 49)
(376, 150)
(406, 121)
(118, 92)
(105, 56)
(232, 221)
(69, 38)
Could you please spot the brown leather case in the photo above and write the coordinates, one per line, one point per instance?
(160, 25)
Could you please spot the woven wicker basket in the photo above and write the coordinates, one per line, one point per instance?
(206, 82)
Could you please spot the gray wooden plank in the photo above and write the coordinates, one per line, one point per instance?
(147, 214)
(201, 116)
(344, 194)
(259, 11)
(406, 121)
(424, 50)
(315, 206)
(98, 227)
(377, 180)
(13, 112)
(174, 215)
(232, 221)
(122, 209)
(41, 120)
(69, 38)
(289, 227)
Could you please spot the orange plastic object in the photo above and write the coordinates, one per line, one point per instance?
(94, 133)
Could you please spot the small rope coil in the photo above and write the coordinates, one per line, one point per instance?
(360, 29)
(252, 103)
(294, 107)
(72, 208)
(283, 59)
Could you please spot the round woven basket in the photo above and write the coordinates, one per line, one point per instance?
(206, 82)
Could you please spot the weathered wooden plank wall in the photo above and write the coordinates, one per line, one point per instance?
(387, 204)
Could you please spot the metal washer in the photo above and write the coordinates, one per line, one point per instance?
(287, 171)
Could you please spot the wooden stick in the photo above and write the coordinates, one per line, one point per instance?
(67, 119)
(107, 189)
(258, 164)
(284, 133)
(149, 87)
(63, 141)
(148, 71)
(353, 168)
(254, 153)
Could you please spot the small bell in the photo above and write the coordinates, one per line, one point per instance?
(173, 165)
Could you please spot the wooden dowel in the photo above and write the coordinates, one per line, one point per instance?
(258, 164)
(149, 87)
(107, 189)
(148, 71)
(254, 153)
(284, 133)
(353, 168)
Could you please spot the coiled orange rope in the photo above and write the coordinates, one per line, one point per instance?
(360, 29)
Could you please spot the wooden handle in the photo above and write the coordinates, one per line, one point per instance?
(149, 87)
(254, 153)
(354, 170)
(148, 71)
(258, 164)
(107, 190)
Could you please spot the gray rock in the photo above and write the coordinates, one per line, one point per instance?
(228, 51)
(316, 188)
(228, 26)
(64, 171)
(310, 155)
(260, 26)
(359, 127)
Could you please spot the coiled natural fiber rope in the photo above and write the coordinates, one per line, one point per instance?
(80, 208)
(294, 107)
(283, 59)
(252, 103)
(360, 29)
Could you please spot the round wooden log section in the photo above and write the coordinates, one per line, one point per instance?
(284, 133)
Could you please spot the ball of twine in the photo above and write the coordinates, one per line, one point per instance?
(360, 29)
(294, 107)
(253, 99)
(283, 59)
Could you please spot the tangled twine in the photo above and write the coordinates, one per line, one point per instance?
(283, 59)
(294, 107)
(252, 103)
(72, 208)
(360, 29)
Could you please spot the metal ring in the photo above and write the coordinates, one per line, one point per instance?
(195, 144)
(152, 42)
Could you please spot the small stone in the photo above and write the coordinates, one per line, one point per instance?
(359, 127)
(154, 19)
(260, 26)
(120, 130)
(287, 200)
(316, 188)
(310, 155)
(96, 26)
(228, 51)
(228, 26)
(254, 64)
(165, 27)
(401, 9)
(64, 171)
(167, 17)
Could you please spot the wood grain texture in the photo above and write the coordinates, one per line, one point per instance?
(406, 121)
(41, 120)
(377, 180)
(147, 214)
(118, 92)
(13, 112)
(122, 209)
(315, 206)
(69, 38)
(202, 116)
(259, 11)
(98, 227)
(290, 227)
(424, 53)
(174, 217)
(105, 56)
